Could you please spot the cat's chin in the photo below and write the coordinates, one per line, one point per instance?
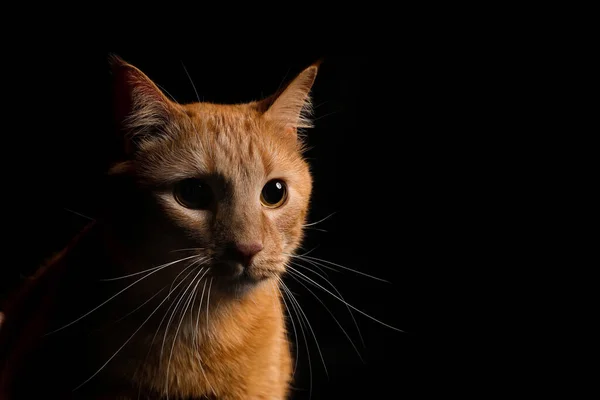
(240, 284)
(234, 278)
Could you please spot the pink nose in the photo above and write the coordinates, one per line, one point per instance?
(249, 249)
(242, 252)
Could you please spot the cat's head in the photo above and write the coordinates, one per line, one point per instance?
(225, 185)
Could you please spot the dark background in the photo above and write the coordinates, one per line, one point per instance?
(387, 158)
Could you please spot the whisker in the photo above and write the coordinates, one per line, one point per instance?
(79, 214)
(195, 292)
(112, 297)
(345, 302)
(166, 312)
(146, 270)
(168, 94)
(320, 261)
(140, 306)
(293, 326)
(301, 255)
(124, 344)
(174, 311)
(326, 115)
(339, 294)
(198, 261)
(208, 299)
(161, 322)
(188, 249)
(316, 229)
(321, 104)
(333, 316)
(282, 80)
(191, 81)
(198, 318)
(319, 221)
(317, 266)
(313, 333)
(179, 325)
(290, 296)
(197, 331)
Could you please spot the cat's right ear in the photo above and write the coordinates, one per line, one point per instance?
(291, 107)
(140, 107)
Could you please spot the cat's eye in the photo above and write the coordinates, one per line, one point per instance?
(193, 193)
(274, 194)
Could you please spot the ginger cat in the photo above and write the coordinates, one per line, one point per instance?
(173, 291)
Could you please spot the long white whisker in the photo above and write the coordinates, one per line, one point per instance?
(319, 221)
(140, 306)
(162, 320)
(290, 296)
(188, 249)
(79, 214)
(313, 263)
(338, 293)
(333, 316)
(293, 326)
(187, 304)
(166, 312)
(112, 297)
(192, 82)
(174, 311)
(208, 299)
(199, 261)
(124, 344)
(321, 261)
(149, 269)
(326, 115)
(195, 294)
(313, 333)
(317, 266)
(302, 255)
(198, 317)
(197, 331)
(316, 229)
(197, 321)
(345, 302)
(168, 94)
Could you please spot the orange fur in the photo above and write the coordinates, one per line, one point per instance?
(240, 349)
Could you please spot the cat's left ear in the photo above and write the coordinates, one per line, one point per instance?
(292, 107)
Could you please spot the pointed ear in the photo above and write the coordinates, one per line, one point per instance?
(140, 107)
(292, 106)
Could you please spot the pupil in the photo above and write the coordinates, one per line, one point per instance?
(274, 192)
(193, 193)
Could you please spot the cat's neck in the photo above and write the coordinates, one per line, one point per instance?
(234, 340)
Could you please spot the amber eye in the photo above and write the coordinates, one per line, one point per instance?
(274, 194)
(193, 193)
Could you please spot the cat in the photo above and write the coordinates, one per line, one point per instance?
(173, 291)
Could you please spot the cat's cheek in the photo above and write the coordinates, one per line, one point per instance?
(288, 222)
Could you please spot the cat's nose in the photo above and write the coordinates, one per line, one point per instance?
(248, 250)
(243, 252)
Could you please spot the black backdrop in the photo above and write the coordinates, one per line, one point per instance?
(384, 161)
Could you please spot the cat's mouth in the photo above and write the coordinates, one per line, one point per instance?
(229, 269)
(237, 273)
(234, 278)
